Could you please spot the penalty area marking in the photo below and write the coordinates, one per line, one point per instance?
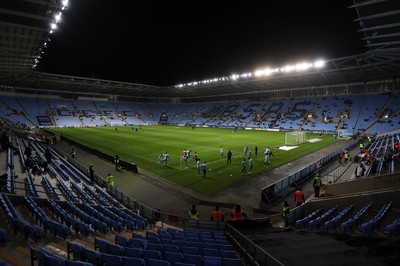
(314, 140)
(288, 148)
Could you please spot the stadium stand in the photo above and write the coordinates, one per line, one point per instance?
(54, 216)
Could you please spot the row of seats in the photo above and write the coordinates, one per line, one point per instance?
(24, 228)
(323, 218)
(50, 188)
(370, 226)
(67, 219)
(54, 227)
(349, 224)
(188, 234)
(302, 222)
(10, 171)
(116, 255)
(46, 258)
(193, 248)
(331, 224)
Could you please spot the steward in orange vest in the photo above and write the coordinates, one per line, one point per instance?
(237, 214)
(217, 215)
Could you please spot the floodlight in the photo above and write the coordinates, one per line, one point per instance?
(302, 66)
(58, 17)
(319, 63)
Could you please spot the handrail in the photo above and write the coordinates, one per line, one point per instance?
(248, 250)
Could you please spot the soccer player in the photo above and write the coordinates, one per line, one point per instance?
(251, 163)
(266, 160)
(196, 156)
(198, 168)
(165, 158)
(244, 167)
(204, 168)
(229, 157)
(221, 151)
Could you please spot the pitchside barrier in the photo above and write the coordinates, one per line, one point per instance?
(129, 166)
(277, 191)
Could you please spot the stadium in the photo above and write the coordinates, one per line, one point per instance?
(54, 127)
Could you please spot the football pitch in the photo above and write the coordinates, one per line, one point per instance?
(143, 146)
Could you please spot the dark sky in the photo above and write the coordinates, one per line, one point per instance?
(160, 42)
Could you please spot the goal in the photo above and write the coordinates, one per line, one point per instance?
(344, 134)
(295, 137)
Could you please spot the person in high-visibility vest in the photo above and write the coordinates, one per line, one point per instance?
(237, 214)
(194, 213)
(110, 179)
(217, 214)
(285, 212)
(317, 184)
(346, 157)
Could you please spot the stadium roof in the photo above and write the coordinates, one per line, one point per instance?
(25, 29)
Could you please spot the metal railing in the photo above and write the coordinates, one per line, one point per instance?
(275, 192)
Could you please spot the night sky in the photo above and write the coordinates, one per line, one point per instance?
(159, 42)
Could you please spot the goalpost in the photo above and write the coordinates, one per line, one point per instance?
(295, 137)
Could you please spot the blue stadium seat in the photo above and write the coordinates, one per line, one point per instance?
(393, 228)
(112, 260)
(75, 249)
(154, 262)
(189, 250)
(101, 245)
(153, 239)
(212, 252)
(77, 263)
(115, 250)
(193, 259)
(128, 261)
(212, 261)
(173, 257)
(155, 246)
(151, 254)
(132, 252)
(91, 256)
(171, 248)
(227, 254)
(122, 241)
(138, 243)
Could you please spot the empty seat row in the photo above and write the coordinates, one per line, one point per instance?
(331, 224)
(370, 226)
(302, 222)
(349, 224)
(115, 257)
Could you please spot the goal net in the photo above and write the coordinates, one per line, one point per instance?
(344, 134)
(295, 137)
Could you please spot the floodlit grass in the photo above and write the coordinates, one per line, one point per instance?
(145, 145)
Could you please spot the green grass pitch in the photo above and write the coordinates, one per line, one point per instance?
(145, 145)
